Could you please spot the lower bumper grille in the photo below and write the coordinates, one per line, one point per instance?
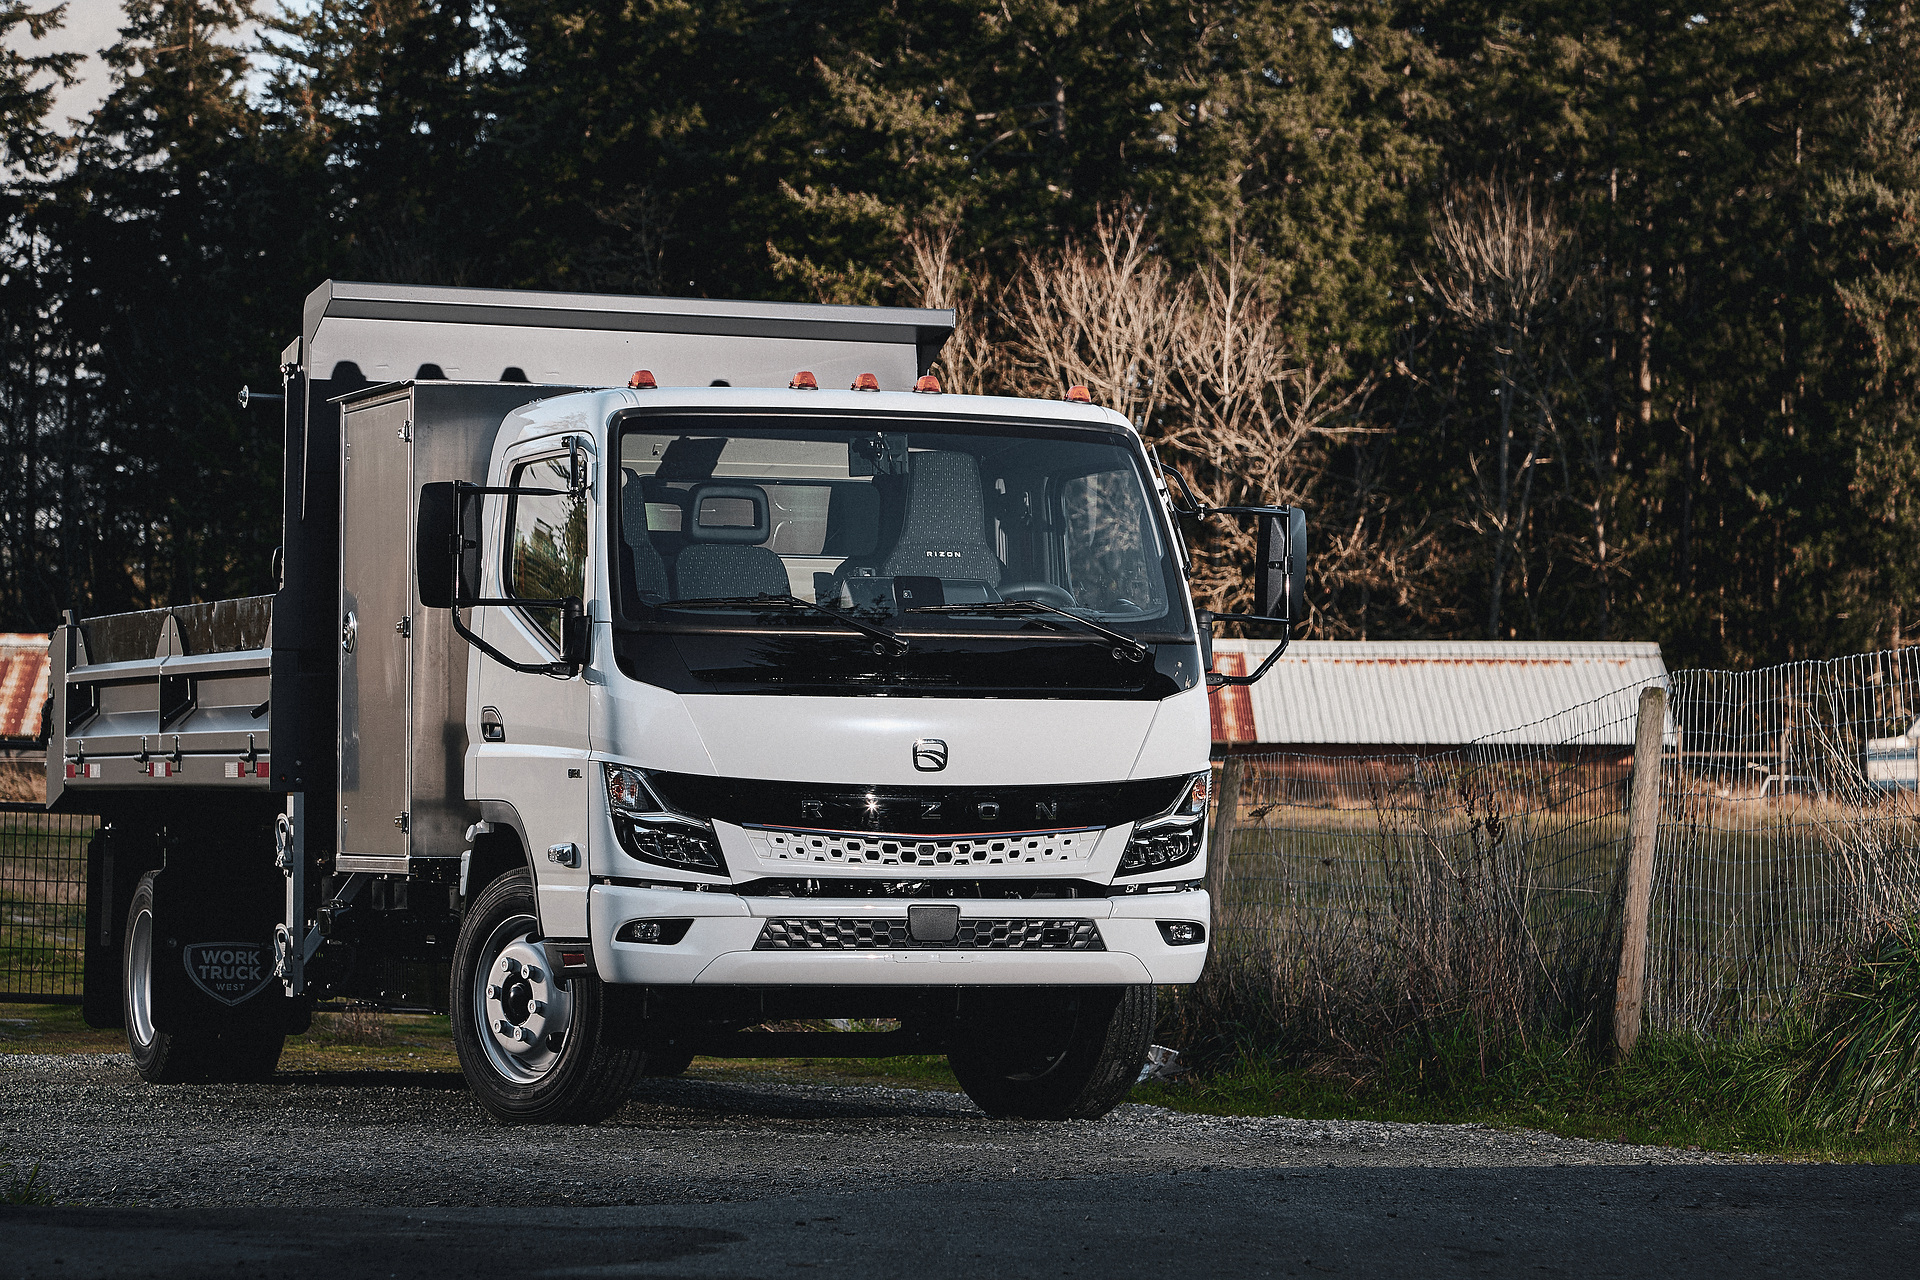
(892, 935)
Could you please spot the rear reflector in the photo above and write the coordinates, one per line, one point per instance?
(928, 385)
(804, 381)
(866, 382)
(642, 380)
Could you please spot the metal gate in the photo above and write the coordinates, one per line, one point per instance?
(43, 902)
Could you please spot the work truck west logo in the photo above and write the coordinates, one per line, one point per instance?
(229, 971)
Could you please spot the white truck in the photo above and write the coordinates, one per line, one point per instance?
(628, 687)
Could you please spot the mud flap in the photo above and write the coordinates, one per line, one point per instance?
(213, 964)
(116, 859)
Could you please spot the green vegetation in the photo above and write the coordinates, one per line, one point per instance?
(22, 1188)
(1685, 420)
(1675, 1091)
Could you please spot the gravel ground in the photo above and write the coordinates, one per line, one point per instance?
(106, 1138)
(401, 1175)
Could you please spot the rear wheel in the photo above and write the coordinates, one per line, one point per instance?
(1059, 1054)
(529, 1042)
(236, 1053)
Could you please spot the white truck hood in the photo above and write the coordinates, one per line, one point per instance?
(989, 742)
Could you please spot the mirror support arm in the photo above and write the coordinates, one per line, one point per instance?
(1219, 679)
(559, 670)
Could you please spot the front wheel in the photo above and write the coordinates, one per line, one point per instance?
(1065, 1053)
(529, 1042)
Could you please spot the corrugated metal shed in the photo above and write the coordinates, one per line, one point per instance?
(23, 684)
(1433, 693)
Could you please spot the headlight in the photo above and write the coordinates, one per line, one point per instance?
(651, 832)
(1173, 837)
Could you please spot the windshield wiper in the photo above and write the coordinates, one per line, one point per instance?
(1028, 608)
(766, 600)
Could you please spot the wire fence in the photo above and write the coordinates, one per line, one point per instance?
(1789, 833)
(1484, 880)
(43, 902)
(1487, 879)
(1373, 893)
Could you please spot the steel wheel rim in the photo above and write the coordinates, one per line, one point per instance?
(139, 979)
(521, 1014)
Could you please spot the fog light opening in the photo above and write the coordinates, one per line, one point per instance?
(1183, 933)
(659, 933)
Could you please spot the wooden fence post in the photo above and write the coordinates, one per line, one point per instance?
(1226, 818)
(1643, 830)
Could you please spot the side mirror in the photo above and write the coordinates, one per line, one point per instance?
(1280, 565)
(446, 529)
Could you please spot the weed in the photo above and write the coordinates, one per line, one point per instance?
(23, 1189)
(1861, 1068)
(355, 1025)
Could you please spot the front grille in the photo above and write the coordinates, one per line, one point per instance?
(892, 935)
(846, 849)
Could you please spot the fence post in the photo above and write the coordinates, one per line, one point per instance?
(1643, 829)
(1226, 818)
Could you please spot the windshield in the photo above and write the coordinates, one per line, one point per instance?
(873, 521)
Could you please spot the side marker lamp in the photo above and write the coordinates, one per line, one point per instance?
(928, 385)
(1079, 395)
(866, 382)
(804, 381)
(642, 380)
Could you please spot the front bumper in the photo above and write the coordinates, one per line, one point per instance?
(720, 946)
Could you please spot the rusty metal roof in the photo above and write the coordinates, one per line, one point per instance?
(23, 684)
(1434, 693)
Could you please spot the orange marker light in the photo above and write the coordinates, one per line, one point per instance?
(642, 380)
(928, 385)
(1079, 395)
(804, 381)
(866, 382)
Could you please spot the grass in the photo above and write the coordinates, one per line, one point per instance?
(359, 1041)
(1674, 1092)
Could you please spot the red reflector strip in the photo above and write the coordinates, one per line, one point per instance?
(73, 770)
(260, 769)
(573, 959)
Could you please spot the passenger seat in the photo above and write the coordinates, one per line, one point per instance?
(727, 560)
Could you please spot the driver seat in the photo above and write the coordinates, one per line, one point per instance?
(944, 534)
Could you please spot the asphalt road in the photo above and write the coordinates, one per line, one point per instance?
(352, 1177)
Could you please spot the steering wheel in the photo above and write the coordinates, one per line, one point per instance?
(1044, 592)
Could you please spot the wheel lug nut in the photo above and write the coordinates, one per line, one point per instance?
(493, 991)
(539, 1006)
(533, 974)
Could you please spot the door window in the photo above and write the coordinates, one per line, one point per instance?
(547, 553)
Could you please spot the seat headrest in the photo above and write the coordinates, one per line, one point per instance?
(725, 505)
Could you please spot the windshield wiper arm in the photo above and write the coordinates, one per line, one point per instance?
(1028, 608)
(766, 600)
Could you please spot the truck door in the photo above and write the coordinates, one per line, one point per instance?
(375, 632)
(536, 757)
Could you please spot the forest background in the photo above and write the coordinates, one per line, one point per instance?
(1566, 320)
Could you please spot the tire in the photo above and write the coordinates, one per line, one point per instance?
(1057, 1054)
(237, 1054)
(549, 1066)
